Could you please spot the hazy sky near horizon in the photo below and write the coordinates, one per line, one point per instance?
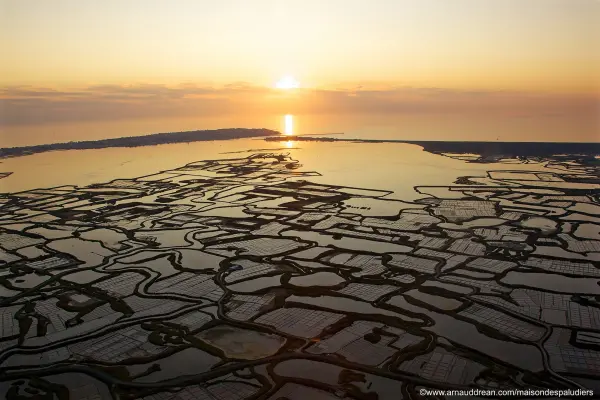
(470, 44)
(120, 58)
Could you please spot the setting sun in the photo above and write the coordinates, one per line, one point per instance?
(287, 82)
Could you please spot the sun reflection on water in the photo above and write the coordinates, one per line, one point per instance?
(288, 124)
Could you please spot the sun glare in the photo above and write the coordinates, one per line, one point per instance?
(287, 82)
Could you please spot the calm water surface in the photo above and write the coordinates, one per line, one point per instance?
(396, 167)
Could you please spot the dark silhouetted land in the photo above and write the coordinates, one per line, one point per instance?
(509, 149)
(485, 149)
(146, 140)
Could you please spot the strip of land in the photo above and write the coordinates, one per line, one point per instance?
(146, 140)
(509, 149)
(485, 149)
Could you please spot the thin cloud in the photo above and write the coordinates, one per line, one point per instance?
(24, 105)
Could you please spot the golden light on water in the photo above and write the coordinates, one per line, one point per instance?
(289, 144)
(288, 124)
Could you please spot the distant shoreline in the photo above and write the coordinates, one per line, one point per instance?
(513, 149)
(145, 140)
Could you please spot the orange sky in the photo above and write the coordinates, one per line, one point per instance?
(471, 44)
(80, 59)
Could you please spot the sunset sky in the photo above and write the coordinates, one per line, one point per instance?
(76, 59)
